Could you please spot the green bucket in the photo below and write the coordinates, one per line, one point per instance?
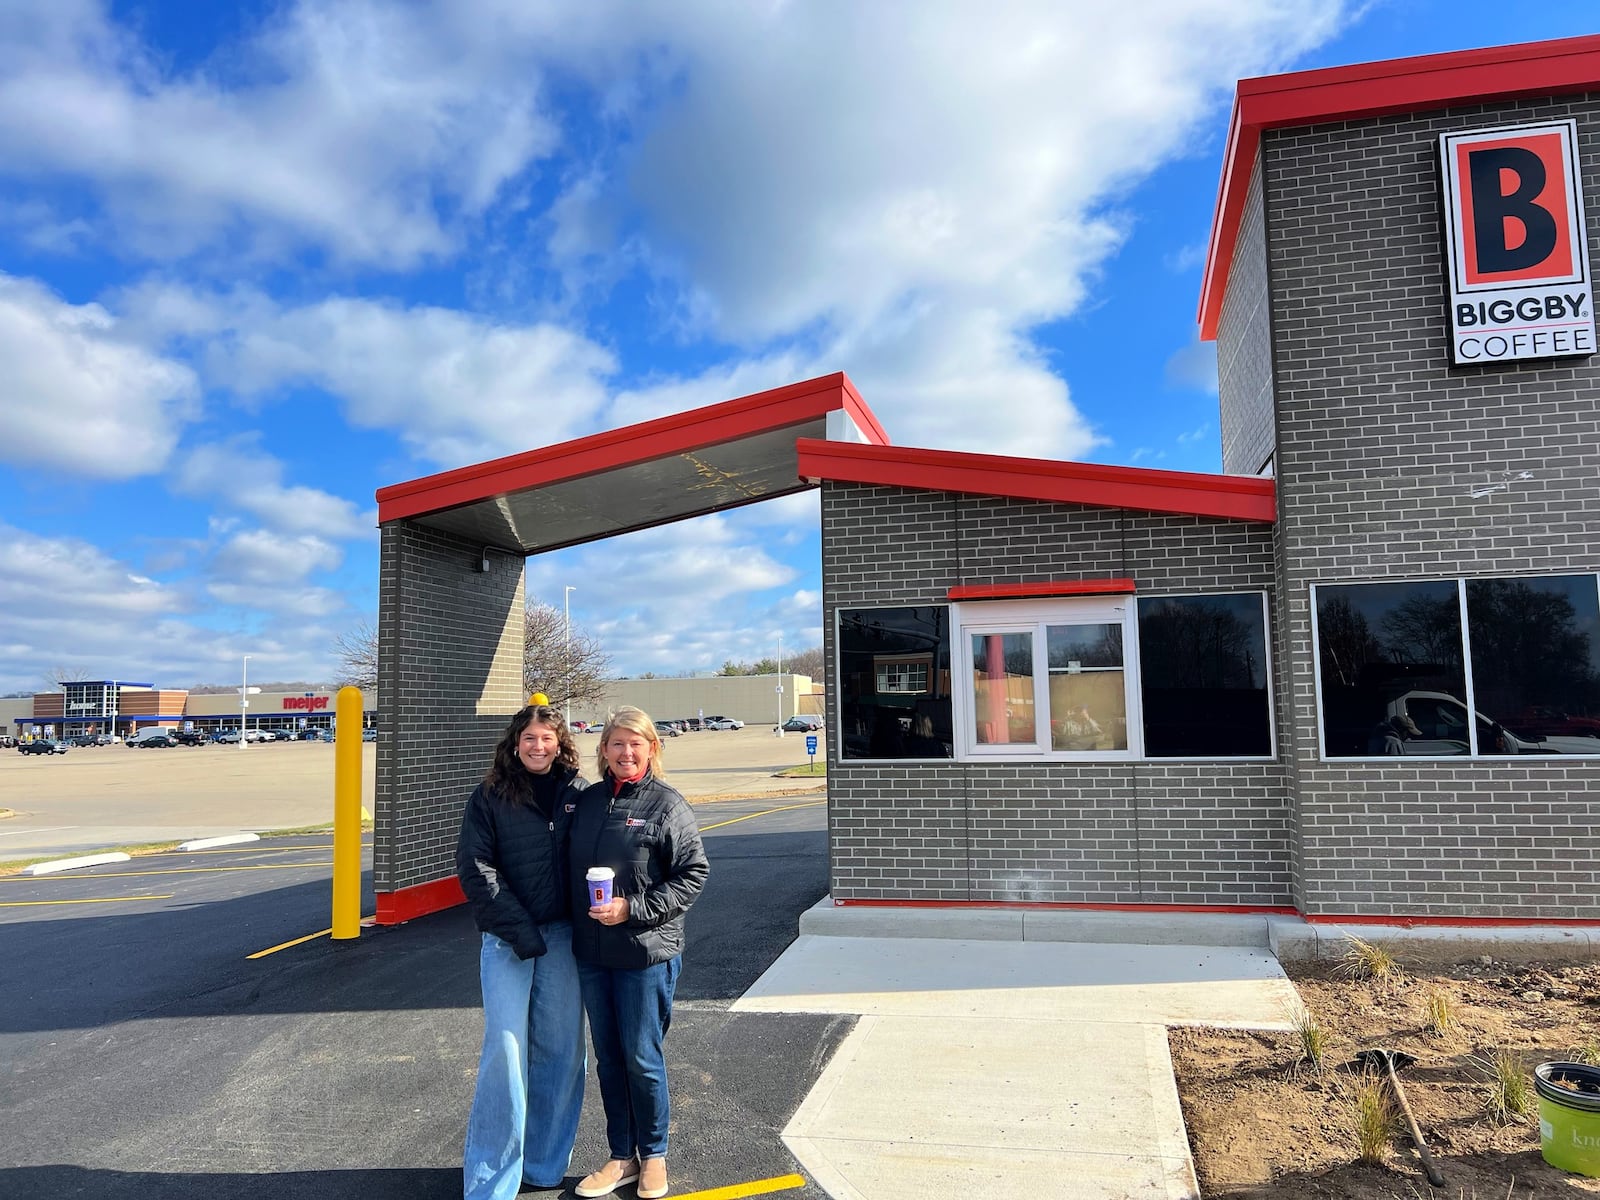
(1569, 1116)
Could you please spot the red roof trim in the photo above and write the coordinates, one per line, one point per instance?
(1024, 591)
(1401, 85)
(1243, 497)
(680, 433)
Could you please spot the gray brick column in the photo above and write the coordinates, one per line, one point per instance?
(450, 674)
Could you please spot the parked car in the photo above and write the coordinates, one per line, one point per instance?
(723, 723)
(153, 737)
(188, 737)
(43, 746)
(83, 739)
(666, 729)
(228, 737)
(803, 723)
(257, 735)
(369, 735)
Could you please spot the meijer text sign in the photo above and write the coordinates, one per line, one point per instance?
(1514, 243)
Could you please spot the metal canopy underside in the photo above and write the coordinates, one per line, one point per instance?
(635, 496)
(715, 458)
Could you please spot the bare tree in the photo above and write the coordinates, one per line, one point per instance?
(358, 656)
(570, 670)
(806, 662)
(567, 670)
(59, 677)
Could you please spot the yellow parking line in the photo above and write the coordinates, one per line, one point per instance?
(109, 900)
(169, 871)
(761, 1187)
(310, 937)
(751, 817)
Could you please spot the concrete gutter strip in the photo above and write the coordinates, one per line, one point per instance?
(72, 864)
(232, 839)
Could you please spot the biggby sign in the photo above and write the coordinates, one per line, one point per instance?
(1515, 247)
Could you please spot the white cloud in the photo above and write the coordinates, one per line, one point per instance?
(236, 474)
(456, 387)
(269, 560)
(363, 128)
(78, 397)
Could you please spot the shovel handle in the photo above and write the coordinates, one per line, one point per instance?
(1430, 1165)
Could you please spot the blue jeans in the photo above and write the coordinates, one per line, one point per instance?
(629, 1014)
(530, 1076)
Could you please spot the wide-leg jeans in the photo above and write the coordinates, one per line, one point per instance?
(629, 1014)
(530, 1076)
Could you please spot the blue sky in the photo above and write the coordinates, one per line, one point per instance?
(257, 261)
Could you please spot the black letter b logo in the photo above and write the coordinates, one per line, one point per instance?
(1493, 210)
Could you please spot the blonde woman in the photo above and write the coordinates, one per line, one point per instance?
(629, 948)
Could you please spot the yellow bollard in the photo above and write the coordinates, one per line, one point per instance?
(347, 814)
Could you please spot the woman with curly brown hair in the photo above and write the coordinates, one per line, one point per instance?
(512, 861)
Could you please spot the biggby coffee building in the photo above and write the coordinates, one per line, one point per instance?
(1356, 676)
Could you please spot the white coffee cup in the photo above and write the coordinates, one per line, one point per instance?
(600, 880)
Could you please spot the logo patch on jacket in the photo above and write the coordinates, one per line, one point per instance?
(572, 808)
(635, 821)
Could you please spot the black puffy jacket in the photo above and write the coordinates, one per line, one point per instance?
(512, 863)
(647, 834)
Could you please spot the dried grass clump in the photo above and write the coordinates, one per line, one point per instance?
(1439, 1012)
(1510, 1092)
(1313, 1038)
(1368, 960)
(1377, 1120)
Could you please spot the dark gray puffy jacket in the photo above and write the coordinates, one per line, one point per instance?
(647, 834)
(512, 863)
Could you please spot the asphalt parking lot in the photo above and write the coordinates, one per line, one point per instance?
(151, 1049)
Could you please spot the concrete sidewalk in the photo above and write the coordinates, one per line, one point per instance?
(983, 1065)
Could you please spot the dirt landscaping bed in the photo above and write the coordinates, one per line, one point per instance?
(1264, 1123)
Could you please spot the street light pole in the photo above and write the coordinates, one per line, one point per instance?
(780, 685)
(244, 699)
(566, 684)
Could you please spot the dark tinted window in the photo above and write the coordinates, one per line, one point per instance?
(907, 652)
(1536, 662)
(1392, 674)
(1203, 676)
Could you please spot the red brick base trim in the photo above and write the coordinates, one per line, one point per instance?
(418, 901)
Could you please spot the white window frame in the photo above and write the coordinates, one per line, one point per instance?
(1035, 616)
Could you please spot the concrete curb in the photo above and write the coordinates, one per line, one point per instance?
(72, 864)
(1291, 939)
(1294, 940)
(230, 839)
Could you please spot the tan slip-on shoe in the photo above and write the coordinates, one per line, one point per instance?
(653, 1179)
(609, 1178)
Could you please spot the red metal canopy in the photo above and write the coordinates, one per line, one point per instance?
(706, 460)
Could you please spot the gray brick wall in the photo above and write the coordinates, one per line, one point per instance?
(1156, 833)
(1244, 346)
(450, 674)
(1387, 461)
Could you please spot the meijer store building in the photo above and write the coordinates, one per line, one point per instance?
(1356, 677)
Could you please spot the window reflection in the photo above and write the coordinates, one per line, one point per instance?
(1536, 662)
(1088, 708)
(894, 682)
(1203, 676)
(1393, 662)
(1002, 682)
(1385, 650)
